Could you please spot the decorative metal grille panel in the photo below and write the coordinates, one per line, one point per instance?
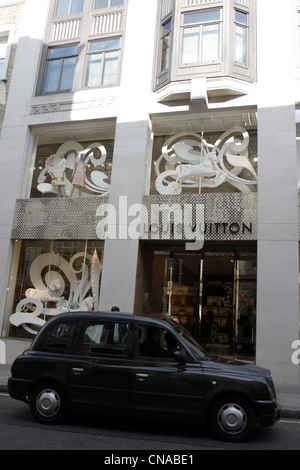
(66, 30)
(228, 216)
(108, 23)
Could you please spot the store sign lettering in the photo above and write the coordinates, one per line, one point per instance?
(296, 354)
(2, 353)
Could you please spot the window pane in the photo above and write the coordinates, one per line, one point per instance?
(61, 337)
(241, 17)
(67, 73)
(52, 76)
(104, 45)
(77, 6)
(165, 53)
(240, 44)
(210, 45)
(3, 46)
(106, 338)
(167, 27)
(93, 74)
(101, 4)
(190, 46)
(62, 7)
(110, 68)
(202, 16)
(116, 3)
(62, 52)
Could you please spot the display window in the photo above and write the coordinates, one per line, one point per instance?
(205, 162)
(213, 293)
(52, 277)
(72, 169)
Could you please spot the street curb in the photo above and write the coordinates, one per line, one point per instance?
(295, 414)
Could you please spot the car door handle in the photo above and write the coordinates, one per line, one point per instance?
(77, 370)
(141, 377)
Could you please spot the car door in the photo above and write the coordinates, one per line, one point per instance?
(164, 386)
(101, 373)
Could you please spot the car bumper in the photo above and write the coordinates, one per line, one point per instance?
(268, 412)
(19, 389)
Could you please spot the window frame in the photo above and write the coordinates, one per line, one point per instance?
(186, 26)
(246, 29)
(62, 60)
(109, 6)
(163, 35)
(5, 32)
(103, 54)
(69, 9)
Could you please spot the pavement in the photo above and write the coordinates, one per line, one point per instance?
(288, 397)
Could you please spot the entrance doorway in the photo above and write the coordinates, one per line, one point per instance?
(213, 293)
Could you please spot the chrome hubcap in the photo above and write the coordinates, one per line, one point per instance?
(48, 403)
(232, 419)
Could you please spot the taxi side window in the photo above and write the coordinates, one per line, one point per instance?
(156, 342)
(102, 338)
(61, 337)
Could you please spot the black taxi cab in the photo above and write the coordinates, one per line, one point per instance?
(139, 366)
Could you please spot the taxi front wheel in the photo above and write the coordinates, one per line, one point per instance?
(232, 419)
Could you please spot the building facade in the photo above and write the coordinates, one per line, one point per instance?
(150, 160)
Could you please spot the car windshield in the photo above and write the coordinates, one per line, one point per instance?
(190, 342)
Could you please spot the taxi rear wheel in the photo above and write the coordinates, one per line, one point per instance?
(47, 403)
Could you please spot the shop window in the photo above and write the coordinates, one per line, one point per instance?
(60, 67)
(201, 36)
(69, 7)
(200, 163)
(54, 276)
(102, 64)
(54, 172)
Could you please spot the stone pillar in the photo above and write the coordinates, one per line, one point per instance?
(16, 142)
(132, 154)
(277, 276)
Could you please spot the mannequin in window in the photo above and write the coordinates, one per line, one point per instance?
(78, 174)
(61, 176)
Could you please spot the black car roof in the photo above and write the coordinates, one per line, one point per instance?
(109, 315)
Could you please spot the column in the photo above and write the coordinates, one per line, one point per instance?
(277, 276)
(132, 153)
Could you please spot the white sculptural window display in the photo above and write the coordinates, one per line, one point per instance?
(188, 163)
(73, 171)
(55, 277)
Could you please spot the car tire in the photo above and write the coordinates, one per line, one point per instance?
(48, 403)
(232, 419)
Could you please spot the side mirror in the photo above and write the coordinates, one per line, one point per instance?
(180, 356)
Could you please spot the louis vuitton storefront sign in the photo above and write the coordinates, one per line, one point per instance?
(219, 216)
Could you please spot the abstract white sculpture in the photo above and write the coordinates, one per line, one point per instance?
(52, 288)
(69, 151)
(193, 163)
